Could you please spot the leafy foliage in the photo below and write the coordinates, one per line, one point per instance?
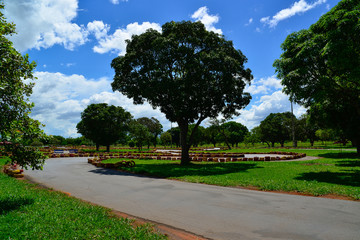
(320, 68)
(16, 127)
(139, 133)
(104, 124)
(235, 132)
(189, 73)
(165, 138)
(276, 128)
(154, 126)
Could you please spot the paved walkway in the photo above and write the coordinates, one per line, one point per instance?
(211, 211)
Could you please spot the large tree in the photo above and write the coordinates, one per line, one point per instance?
(103, 124)
(320, 69)
(17, 129)
(188, 72)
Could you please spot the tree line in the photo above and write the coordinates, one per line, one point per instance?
(106, 125)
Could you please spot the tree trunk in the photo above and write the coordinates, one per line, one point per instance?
(272, 144)
(185, 159)
(108, 148)
(97, 147)
(356, 143)
(282, 144)
(311, 142)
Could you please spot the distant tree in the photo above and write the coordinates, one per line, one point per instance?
(307, 129)
(103, 124)
(223, 134)
(320, 69)
(17, 129)
(57, 140)
(276, 127)
(236, 132)
(254, 136)
(154, 127)
(37, 143)
(139, 134)
(198, 135)
(189, 73)
(165, 138)
(175, 135)
(324, 135)
(212, 134)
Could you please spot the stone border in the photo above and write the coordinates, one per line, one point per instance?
(198, 157)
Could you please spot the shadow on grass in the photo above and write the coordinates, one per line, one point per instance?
(203, 169)
(348, 177)
(355, 163)
(177, 170)
(8, 205)
(341, 155)
(351, 159)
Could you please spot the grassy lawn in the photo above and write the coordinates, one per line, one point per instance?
(336, 173)
(29, 212)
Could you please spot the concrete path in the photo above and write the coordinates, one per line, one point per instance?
(210, 211)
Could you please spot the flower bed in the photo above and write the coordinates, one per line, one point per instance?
(13, 170)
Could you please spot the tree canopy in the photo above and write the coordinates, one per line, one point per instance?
(17, 129)
(154, 127)
(104, 124)
(320, 69)
(187, 72)
(235, 132)
(276, 128)
(139, 133)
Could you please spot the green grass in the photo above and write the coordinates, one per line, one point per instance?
(335, 173)
(30, 212)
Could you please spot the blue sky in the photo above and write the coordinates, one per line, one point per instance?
(74, 42)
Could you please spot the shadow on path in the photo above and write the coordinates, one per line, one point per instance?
(177, 170)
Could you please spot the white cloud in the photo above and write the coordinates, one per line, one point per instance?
(98, 28)
(298, 7)
(274, 103)
(264, 85)
(44, 23)
(202, 15)
(117, 1)
(59, 100)
(116, 42)
(249, 22)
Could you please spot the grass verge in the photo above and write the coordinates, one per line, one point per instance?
(30, 212)
(335, 173)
